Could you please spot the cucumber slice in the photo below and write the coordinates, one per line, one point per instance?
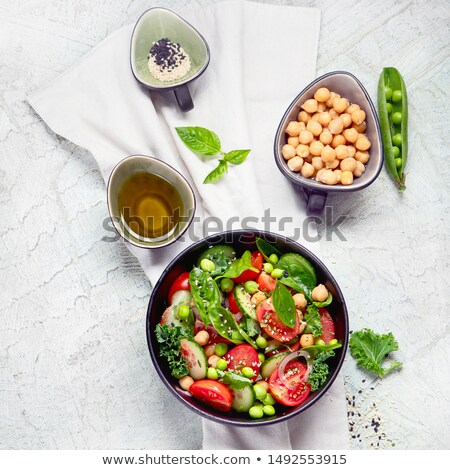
(243, 399)
(271, 364)
(195, 358)
(243, 300)
(182, 297)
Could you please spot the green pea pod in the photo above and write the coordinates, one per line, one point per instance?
(393, 113)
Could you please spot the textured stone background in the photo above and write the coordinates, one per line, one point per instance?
(74, 365)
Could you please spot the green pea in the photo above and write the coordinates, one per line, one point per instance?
(261, 357)
(397, 117)
(183, 312)
(388, 92)
(398, 163)
(277, 273)
(389, 108)
(273, 258)
(221, 349)
(207, 265)
(319, 342)
(396, 151)
(397, 140)
(268, 410)
(269, 400)
(256, 412)
(226, 285)
(397, 96)
(251, 287)
(268, 267)
(261, 342)
(222, 364)
(212, 373)
(260, 392)
(248, 372)
(333, 342)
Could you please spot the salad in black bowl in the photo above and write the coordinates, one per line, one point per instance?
(247, 327)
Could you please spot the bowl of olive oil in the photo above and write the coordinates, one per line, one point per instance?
(150, 203)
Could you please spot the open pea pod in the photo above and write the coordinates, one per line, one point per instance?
(393, 113)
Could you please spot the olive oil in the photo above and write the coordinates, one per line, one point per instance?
(149, 205)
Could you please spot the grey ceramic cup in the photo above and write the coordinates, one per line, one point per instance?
(348, 86)
(157, 23)
(137, 164)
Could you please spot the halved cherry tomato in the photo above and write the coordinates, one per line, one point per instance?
(242, 356)
(296, 391)
(327, 325)
(233, 307)
(272, 325)
(213, 393)
(257, 260)
(266, 282)
(180, 283)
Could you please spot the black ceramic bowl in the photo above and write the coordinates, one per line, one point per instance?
(242, 240)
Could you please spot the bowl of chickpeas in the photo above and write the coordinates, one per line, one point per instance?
(329, 139)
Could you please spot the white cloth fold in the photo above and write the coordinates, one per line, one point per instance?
(261, 57)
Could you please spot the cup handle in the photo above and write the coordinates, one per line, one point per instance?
(184, 99)
(315, 201)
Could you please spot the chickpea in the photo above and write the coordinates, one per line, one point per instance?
(258, 298)
(186, 382)
(346, 119)
(317, 163)
(213, 360)
(306, 340)
(322, 94)
(341, 152)
(328, 154)
(363, 143)
(305, 137)
(359, 170)
(347, 178)
(316, 147)
(315, 117)
(338, 174)
(328, 177)
(333, 113)
(293, 141)
(320, 293)
(293, 128)
(324, 118)
(340, 105)
(300, 301)
(288, 151)
(358, 116)
(351, 135)
(362, 157)
(263, 384)
(336, 126)
(202, 338)
(303, 116)
(307, 170)
(210, 350)
(351, 108)
(332, 165)
(326, 137)
(302, 150)
(360, 127)
(348, 164)
(321, 107)
(310, 106)
(295, 164)
(329, 102)
(302, 327)
(351, 151)
(319, 173)
(314, 127)
(338, 140)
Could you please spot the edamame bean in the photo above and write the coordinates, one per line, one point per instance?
(397, 96)
(277, 273)
(207, 265)
(273, 258)
(396, 151)
(269, 400)
(256, 412)
(221, 349)
(183, 312)
(268, 410)
(260, 392)
(268, 268)
(226, 285)
(251, 287)
(388, 93)
(248, 372)
(261, 342)
(333, 342)
(397, 140)
(212, 373)
(222, 364)
(319, 342)
(261, 357)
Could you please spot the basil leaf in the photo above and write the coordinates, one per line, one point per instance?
(217, 173)
(317, 348)
(200, 140)
(236, 157)
(240, 265)
(235, 381)
(284, 305)
(326, 302)
(312, 319)
(204, 291)
(266, 248)
(225, 324)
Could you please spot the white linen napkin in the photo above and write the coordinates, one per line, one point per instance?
(261, 57)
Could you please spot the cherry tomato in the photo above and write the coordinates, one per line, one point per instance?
(266, 282)
(180, 283)
(242, 356)
(233, 307)
(257, 260)
(296, 391)
(213, 393)
(327, 325)
(272, 325)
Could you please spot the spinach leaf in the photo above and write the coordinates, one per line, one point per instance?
(284, 305)
(326, 302)
(200, 140)
(300, 273)
(319, 374)
(204, 291)
(266, 248)
(225, 324)
(236, 157)
(221, 256)
(217, 173)
(235, 381)
(240, 265)
(169, 340)
(312, 319)
(316, 349)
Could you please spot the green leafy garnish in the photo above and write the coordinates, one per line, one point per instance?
(326, 302)
(284, 305)
(204, 291)
(312, 319)
(236, 157)
(266, 248)
(217, 173)
(251, 326)
(240, 265)
(319, 373)
(235, 381)
(369, 349)
(169, 340)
